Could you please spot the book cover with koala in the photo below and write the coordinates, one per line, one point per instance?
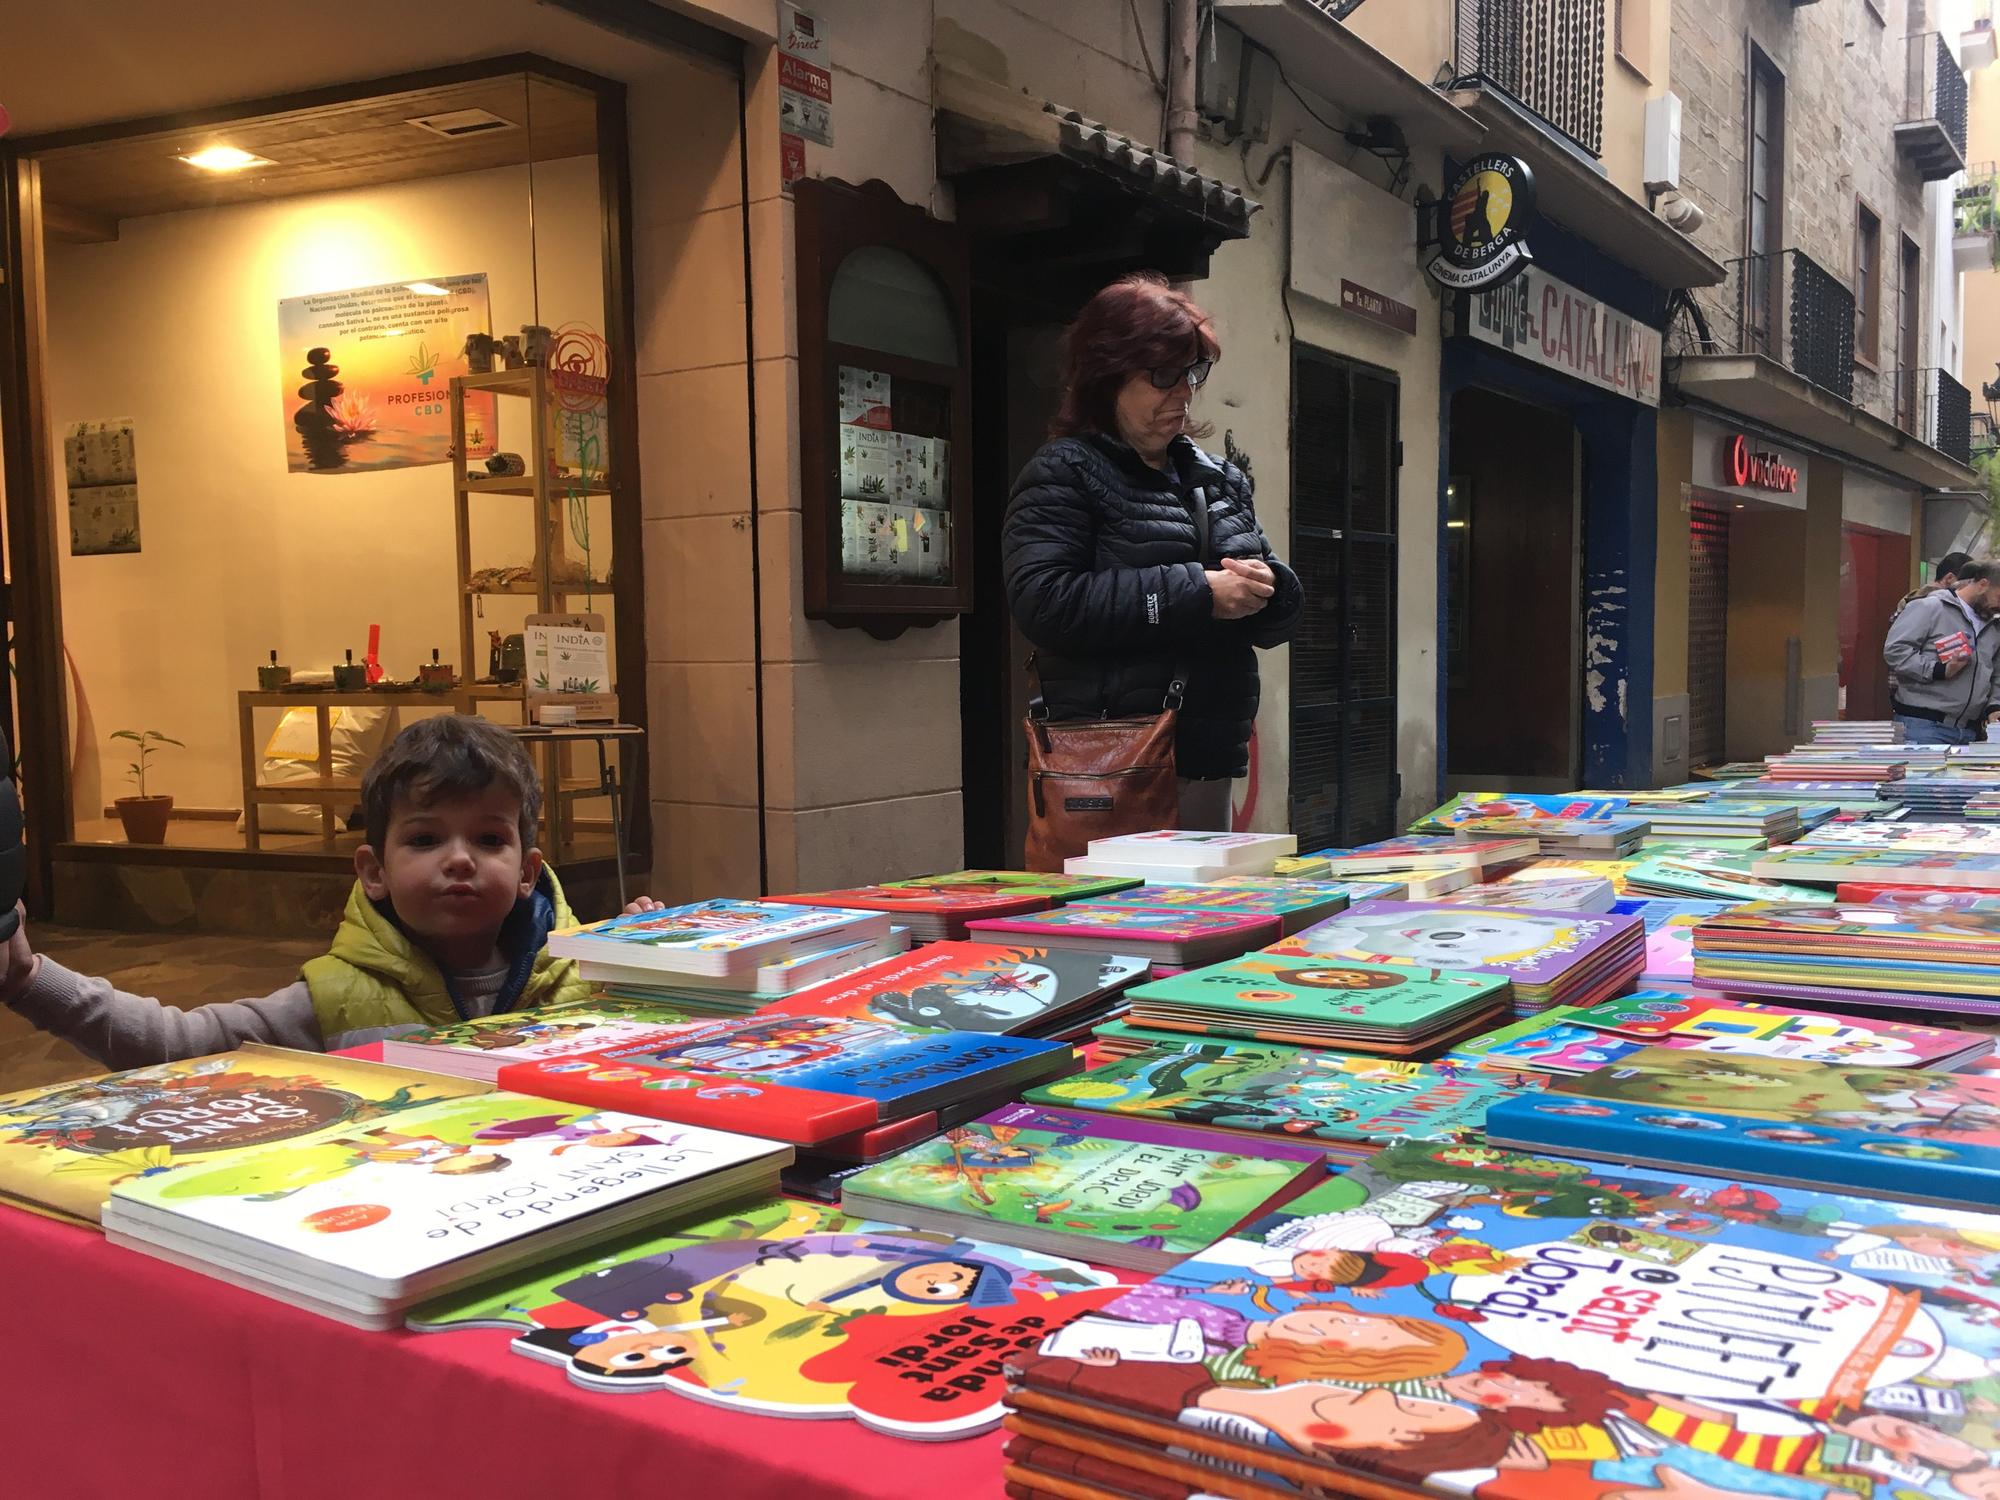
(63, 1148)
(790, 1309)
(399, 1208)
(1465, 1320)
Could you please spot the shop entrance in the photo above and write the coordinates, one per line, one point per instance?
(1512, 527)
(1874, 573)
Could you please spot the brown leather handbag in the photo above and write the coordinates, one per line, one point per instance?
(1099, 778)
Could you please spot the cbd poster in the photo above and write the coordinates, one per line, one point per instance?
(367, 374)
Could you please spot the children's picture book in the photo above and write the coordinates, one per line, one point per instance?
(1905, 867)
(804, 1079)
(1920, 900)
(1419, 851)
(479, 1048)
(1123, 1192)
(64, 1147)
(1062, 887)
(1277, 997)
(933, 912)
(1292, 904)
(1715, 1023)
(1286, 1091)
(748, 989)
(971, 987)
(721, 936)
(1708, 874)
(1548, 956)
(788, 1309)
(1470, 805)
(1242, 853)
(1613, 833)
(433, 1197)
(1473, 1321)
(1586, 893)
(1165, 935)
(1940, 838)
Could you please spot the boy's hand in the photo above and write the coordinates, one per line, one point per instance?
(644, 903)
(20, 962)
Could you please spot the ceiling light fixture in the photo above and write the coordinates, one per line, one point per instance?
(224, 159)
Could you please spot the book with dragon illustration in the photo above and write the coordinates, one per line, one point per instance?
(789, 1309)
(65, 1146)
(1124, 1192)
(971, 987)
(1301, 1092)
(371, 1219)
(1465, 1320)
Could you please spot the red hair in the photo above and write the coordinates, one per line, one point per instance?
(1137, 323)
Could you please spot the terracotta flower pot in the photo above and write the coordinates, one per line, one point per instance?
(145, 818)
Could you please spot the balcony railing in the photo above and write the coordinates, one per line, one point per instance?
(1548, 55)
(1932, 131)
(1934, 408)
(1785, 306)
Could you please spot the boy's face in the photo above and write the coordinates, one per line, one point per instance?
(454, 867)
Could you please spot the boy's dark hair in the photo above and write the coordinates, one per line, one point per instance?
(449, 755)
(1952, 563)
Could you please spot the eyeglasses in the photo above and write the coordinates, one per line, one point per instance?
(1168, 376)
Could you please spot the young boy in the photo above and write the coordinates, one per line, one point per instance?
(447, 920)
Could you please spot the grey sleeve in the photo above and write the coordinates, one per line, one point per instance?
(131, 1031)
(1907, 649)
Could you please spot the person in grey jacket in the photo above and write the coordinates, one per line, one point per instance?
(1945, 698)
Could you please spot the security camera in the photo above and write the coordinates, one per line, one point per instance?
(1682, 213)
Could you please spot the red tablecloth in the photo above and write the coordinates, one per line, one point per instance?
(126, 1376)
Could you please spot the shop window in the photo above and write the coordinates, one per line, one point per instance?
(884, 403)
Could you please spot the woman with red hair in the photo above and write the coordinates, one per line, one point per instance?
(1132, 556)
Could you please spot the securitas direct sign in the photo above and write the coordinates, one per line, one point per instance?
(1550, 322)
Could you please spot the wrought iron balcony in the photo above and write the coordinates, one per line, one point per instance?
(1935, 409)
(1932, 132)
(1783, 305)
(1547, 55)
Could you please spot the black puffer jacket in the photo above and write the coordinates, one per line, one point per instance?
(1103, 576)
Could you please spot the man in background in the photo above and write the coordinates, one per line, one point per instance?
(1942, 577)
(1943, 647)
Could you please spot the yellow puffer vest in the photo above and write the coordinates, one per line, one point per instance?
(374, 976)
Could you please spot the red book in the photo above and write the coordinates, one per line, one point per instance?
(931, 912)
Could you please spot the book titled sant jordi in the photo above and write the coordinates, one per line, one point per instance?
(64, 1147)
(357, 1225)
(568, 661)
(1131, 1193)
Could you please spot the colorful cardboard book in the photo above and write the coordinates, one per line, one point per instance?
(1601, 838)
(372, 1219)
(1469, 805)
(1363, 1102)
(1237, 853)
(1913, 955)
(1166, 936)
(1904, 867)
(1921, 900)
(479, 1048)
(1936, 838)
(1588, 893)
(64, 1147)
(1062, 887)
(1712, 1023)
(933, 912)
(788, 1309)
(1419, 851)
(751, 988)
(803, 1079)
(715, 937)
(1316, 1002)
(1464, 1320)
(1123, 1192)
(971, 987)
(1706, 874)
(1549, 957)
(1292, 904)
(1905, 1134)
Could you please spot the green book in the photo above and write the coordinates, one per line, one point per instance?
(1287, 1091)
(1132, 1193)
(1475, 1049)
(1279, 997)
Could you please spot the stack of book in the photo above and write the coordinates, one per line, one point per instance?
(1123, 1192)
(1847, 734)
(1352, 1106)
(1164, 937)
(932, 913)
(1869, 955)
(1885, 867)
(844, 1087)
(1178, 854)
(1392, 1009)
(1775, 821)
(1850, 766)
(1549, 893)
(1983, 805)
(361, 1220)
(1578, 838)
(734, 955)
(1428, 865)
(1061, 887)
(1549, 957)
(481, 1047)
(1909, 1135)
(1943, 794)
(1292, 904)
(1710, 875)
(1516, 1335)
(1300, 867)
(1927, 838)
(1467, 806)
(1039, 992)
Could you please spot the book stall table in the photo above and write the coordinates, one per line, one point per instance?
(211, 1390)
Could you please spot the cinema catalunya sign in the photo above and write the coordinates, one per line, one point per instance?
(1546, 320)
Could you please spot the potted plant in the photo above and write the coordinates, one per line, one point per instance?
(144, 816)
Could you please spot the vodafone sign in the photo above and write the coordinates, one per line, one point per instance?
(1751, 469)
(1747, 465)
